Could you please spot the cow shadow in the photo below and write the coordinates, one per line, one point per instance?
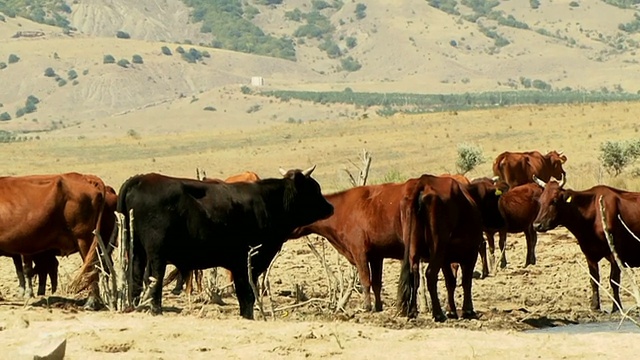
(58, 302)
(547, 322)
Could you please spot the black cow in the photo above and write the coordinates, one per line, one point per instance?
(197, 225)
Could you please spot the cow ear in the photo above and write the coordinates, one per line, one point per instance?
(568, 199)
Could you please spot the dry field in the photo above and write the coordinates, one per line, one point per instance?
(552, 293)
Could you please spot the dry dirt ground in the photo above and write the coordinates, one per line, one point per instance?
(552, 293)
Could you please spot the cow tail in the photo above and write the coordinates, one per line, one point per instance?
(406, 283)
(88, 272)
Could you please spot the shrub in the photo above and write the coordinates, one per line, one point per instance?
(32, 100)
(13, 58)
(5, 116)
(3, 65)
(534, 4)
(62, 82)
(319, 4)
(615, 155)
(574, 4)
(2, 18)
(49, 72)
(20, 112)
(108, 59)
(469, 156)
(180, 50)
(360, 11)
(351, 42)
(133, 134)
(245, 89)
(166, 51)
(75, 82)
(393, 176)
(85, 71)
(350, 64)
(123, 62)
(72, 74)
(122, 35)
(136, 59)
(192, 56)
(295, 15)
(209, 108)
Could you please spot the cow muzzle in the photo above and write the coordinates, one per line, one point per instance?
(540, 227)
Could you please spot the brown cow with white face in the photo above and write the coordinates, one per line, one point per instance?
(579, 212)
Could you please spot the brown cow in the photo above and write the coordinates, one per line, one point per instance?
(517, 168)
(518, 208)
(442, 224)
(54, 212)
(365, 228)
(579, 212)
(247, 176)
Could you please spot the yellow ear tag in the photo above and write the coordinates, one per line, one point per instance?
(498, 192)
(569, 199)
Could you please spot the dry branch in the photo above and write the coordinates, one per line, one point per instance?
(252, 252)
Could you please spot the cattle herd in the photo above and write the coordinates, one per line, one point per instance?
(198, 224)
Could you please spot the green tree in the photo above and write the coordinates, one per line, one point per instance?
(469, 156)
(616, 155)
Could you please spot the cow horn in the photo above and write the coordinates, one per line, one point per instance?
(283, 171)
(563, 180)
(538, 181)
(560, 152)
(309, 171)
(495, 179)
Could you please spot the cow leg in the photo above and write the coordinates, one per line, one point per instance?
(42, 272)
(244, 293)
(450, 282)
(502, 243)
(467, 277)
(435, 264)
(532, 239)
(595, 279)
(157, 268)
(17, 263)
(614, 281)
(53, 274)
(139, 272)
(491, 261)
(376, 282)
(179, 284)
(483, 258)
(27, 264)
(365, 279)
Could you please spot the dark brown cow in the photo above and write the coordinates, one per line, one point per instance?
(247, 176)
(518, 208)
(365, 228)
(517, 168)
(53, 212)
(442, 224)
(579, 212)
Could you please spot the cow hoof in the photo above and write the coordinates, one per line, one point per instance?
(176, 291)
(156, 310)
(452, 315)
(440, 317)
(469, 314)
(92, 304)
(378, 308)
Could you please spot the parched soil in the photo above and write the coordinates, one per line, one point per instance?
(552, 293)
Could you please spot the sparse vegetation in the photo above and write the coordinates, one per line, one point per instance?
(361, 11)
(448, 6)
(224, 18)
(623, 4)
(123, 63)
(50, 12)
(616, 155)
(632, 26)
(137, 59)
(469, 156)
(351, 42)
(254, 108)
(13, 58)
(122, 35)
(318, 26)
(49, 72)
(350, 64)
(165, 50)
(294, 15)
(108, 59)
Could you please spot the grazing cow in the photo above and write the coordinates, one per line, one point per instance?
(247, 176)
(517, 168)
(53, 212)
(579, 212)
(197, 225)
(442, 224)
(365, 228)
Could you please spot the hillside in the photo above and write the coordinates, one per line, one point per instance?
(411, 47)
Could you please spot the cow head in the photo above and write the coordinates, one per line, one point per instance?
(552, 201)
(305, 198)
(486, 193)
(555, 159)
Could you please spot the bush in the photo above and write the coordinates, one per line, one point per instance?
(62, 82)
(75, 82)
(360, 11)
(574, 4)
(166, 51)
(180, 50)
(350, 64)
(13, 58)
(136, 59)
(245, 89)
(123, 62)
(72, 74)
(3, 65)
(49, 72)
(351, 42)
(534, 4)
(5, 116)
(209, 108)
(122, 35)
(85, 71)
(32, 100)
(469, 156)
(20, 113)
(108, 59)
(615, 155)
